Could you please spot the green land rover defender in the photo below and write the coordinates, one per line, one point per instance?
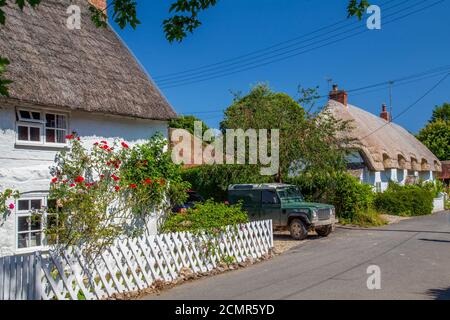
(285, 206)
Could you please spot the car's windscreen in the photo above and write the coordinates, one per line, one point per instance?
(194, 197)
(290, 193)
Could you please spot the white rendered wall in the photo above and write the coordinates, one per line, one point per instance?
(27, 168)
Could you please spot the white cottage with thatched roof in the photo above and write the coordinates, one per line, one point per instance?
(385, 151)
(64, 80)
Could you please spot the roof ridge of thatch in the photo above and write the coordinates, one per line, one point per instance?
(90, 69)
(385, 145)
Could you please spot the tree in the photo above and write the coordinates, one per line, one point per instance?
(309, 143)
(185, 19)
(436, 134)
(187, 123)
(441, 113)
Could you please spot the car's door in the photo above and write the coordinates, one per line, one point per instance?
(270, 206)
(251, 201)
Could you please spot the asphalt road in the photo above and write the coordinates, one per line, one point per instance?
(413, 256)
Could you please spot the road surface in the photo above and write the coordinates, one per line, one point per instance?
(413, 257)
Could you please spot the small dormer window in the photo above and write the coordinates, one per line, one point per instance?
(41, 127)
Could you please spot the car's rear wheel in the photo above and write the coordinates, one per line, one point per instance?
(324, 231)
(298, 230)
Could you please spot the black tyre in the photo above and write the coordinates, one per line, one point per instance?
(324, 231)
(298, 230)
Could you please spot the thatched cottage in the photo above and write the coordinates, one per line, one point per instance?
(65, 80)
(385, 151)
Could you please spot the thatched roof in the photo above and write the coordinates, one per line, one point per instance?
(88, 69)
(385, 145)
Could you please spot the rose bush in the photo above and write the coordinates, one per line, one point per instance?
(5, 207)
(109, 191)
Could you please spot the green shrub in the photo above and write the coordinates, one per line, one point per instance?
(212, 181)
(345, 192)
(367, 218)
(410, 200)
(209, 217)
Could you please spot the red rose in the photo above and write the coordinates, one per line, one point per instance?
(79, 179)
(104, 142)
(70, 137)
(148, 181)
(116, 178)
(54, 180)
(133, 186)
(125, 145)
(11, 206)
(117, 188)
(72, 185)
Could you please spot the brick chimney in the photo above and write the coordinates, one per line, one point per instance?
(99, 4)
(339, 95)
(385, 114)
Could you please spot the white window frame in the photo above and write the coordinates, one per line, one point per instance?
(27, 213)
(42, 125)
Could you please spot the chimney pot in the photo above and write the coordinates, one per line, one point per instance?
(385, 114)
(99, 4)
(339, 95)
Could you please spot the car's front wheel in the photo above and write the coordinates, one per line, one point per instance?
(298, 230)
(324, 231)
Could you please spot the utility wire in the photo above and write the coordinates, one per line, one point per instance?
(397, 82)
(411, 105)
(267, 50)
(220, 74)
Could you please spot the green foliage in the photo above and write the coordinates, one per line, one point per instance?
(208, 217)
(3, 83)
(349, 196)
(441, 113)
(308, 142)
(212, 181)
(436, 136)
(108, 191)
(409, 200)
(187, 123)
(357, 8)
(367, 218)
(151, 168)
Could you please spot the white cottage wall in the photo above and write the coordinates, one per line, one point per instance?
(26, 168)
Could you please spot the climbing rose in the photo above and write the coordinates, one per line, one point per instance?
(54, 180)
(117, 188)
(11, 206)
(125, 145)
(72, 185)
(70, 137)
(79, 179)
(116, 178)
(133, 186)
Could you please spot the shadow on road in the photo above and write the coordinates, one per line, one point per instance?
(439, 294)
(392, 230)
(436, 240)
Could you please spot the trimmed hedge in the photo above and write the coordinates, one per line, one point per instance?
(411, 200)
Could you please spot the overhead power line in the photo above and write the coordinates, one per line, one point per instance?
(423, 75)
(284, 56)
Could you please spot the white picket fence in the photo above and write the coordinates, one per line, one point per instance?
(134, 264)
(20, 278)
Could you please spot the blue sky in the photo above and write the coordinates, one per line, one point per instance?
(416, 43)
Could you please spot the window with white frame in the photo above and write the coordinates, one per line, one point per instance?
(29, 222)
(41, 127)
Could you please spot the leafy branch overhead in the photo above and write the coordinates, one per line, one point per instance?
(184, 20)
